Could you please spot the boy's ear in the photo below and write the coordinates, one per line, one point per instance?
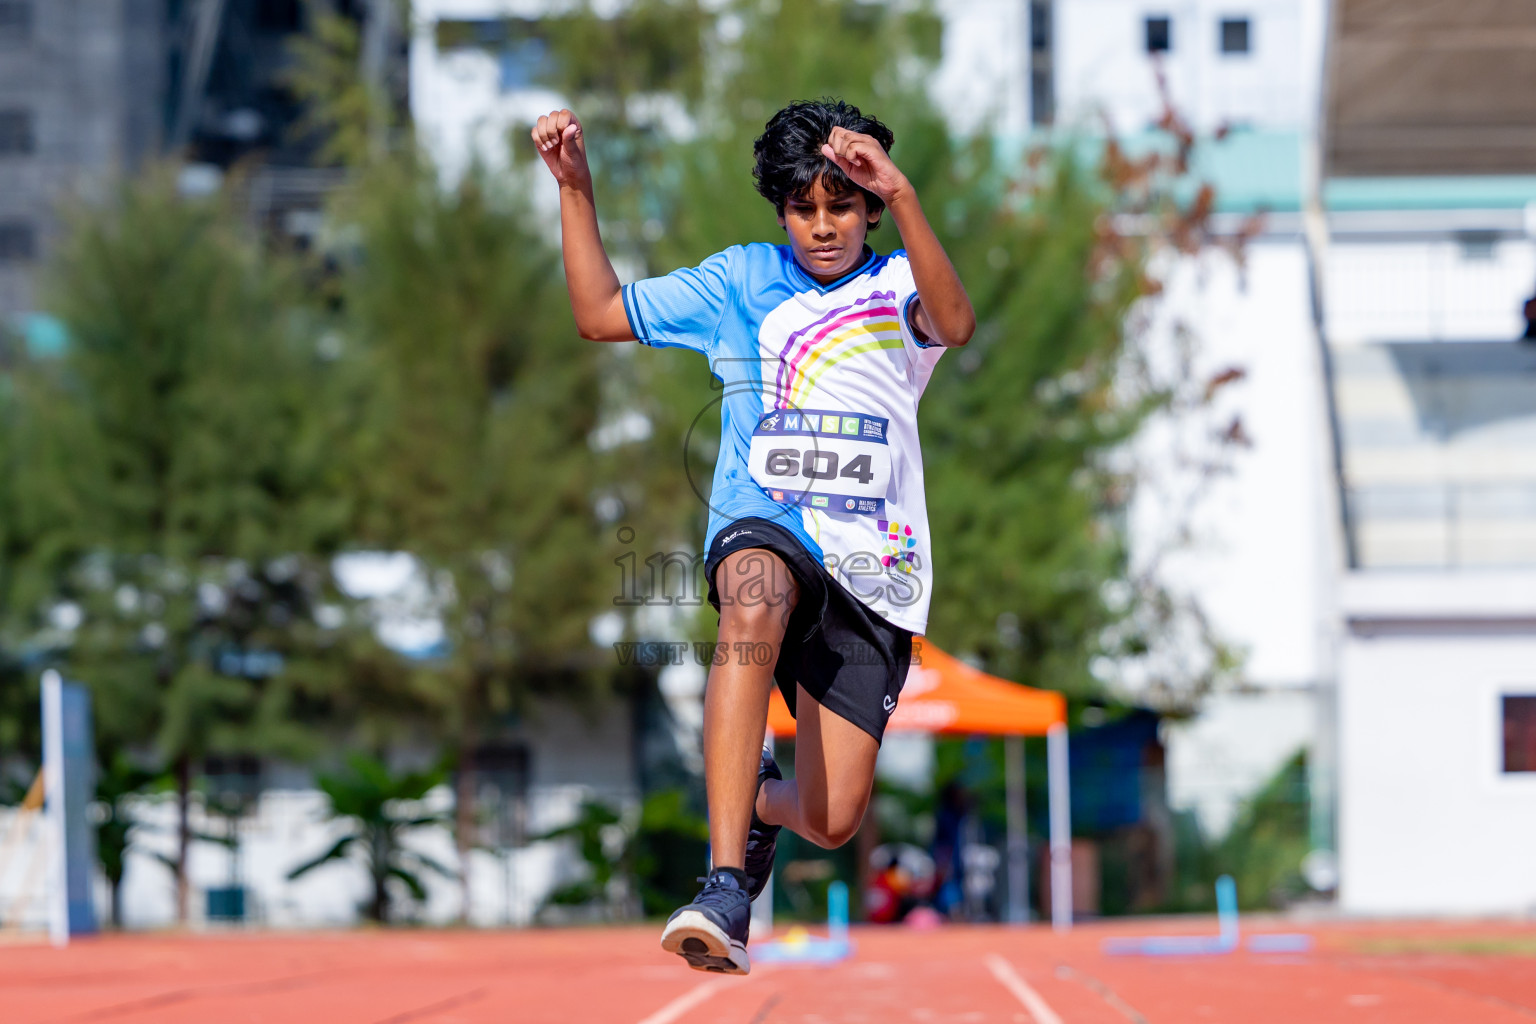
(874, 217)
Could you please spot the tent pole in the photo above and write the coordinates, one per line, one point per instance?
(1018, 836)
(1061, 827)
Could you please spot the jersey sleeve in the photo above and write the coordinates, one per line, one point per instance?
(684, 308)
(906, 302)
(923, 353)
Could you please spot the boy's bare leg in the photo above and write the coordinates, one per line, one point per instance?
(834, 773)
(757, 593)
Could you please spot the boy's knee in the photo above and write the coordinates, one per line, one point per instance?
(832, 840)
(832, 830)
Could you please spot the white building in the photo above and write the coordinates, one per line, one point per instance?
(1245, 63)
(1436, 409)
(1373, 552)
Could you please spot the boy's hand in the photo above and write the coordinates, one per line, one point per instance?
(866, 162)
(558, 137)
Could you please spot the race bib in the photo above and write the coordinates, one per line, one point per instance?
(837, 461)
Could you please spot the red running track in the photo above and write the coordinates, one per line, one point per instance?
(962, 975)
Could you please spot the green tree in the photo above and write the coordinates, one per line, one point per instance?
(176, 483)
(475, 452)
(379, 808)
(476, 449)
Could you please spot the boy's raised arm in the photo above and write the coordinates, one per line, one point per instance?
(943, 310)
(596, 300)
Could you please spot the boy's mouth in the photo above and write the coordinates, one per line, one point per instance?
(825, 252)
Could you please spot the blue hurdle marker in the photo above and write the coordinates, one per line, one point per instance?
(801, 947)
(1225, 941)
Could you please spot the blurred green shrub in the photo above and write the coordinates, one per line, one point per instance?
(1270, 838)
(378, 807)
(1262, 850)
(655, 857)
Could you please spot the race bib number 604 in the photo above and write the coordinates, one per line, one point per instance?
(837, 461)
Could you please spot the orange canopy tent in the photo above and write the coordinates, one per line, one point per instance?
(942, 694)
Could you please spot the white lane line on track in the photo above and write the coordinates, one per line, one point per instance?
(1010, 980)
(688, 1000)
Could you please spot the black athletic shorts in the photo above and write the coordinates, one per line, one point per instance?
(847, 657)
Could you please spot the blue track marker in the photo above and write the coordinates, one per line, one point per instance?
(800, 947)
(1225, 941)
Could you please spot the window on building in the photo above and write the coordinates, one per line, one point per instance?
(15, 21)
(18, 241)
(16, 132)
(1520, 733)
(1159, 34)
(1234, 35)
(1042, 88)
(1039, 25)
(234, 780)
(1477, 246)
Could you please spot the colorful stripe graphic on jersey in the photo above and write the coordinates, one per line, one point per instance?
(866, 336)
(872, 315)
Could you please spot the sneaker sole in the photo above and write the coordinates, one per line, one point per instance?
(705, 946)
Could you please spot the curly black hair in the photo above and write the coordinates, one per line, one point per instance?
(788, 153)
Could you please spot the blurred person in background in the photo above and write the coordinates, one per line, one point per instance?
(901, 881)
(948, 846)
(818, 555)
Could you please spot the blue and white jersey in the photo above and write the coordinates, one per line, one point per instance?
(818, 426)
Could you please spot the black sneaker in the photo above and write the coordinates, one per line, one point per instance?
(711, 932)
(762, 838)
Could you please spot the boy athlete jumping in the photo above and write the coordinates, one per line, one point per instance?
(818, 548)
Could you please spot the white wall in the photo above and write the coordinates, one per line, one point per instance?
(983, 78)
(23, 870)
(1256, 550)
(1428, 823)
(1102, 63)
(572, 758)
(1256, 558)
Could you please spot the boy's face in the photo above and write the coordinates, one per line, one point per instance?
(826, 232)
